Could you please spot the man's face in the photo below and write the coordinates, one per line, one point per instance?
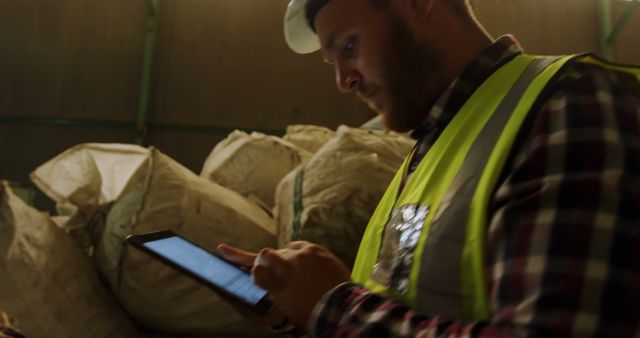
(376, 55)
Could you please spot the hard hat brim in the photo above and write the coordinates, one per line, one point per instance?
(297, 33)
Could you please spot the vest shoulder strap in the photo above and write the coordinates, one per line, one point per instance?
(595, 60)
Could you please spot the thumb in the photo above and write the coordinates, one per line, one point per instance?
(269, 271)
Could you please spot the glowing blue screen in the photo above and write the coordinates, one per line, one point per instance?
(209, 267)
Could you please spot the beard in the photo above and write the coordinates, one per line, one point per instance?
(409, 69)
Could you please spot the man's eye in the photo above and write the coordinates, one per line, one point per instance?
(349, 49)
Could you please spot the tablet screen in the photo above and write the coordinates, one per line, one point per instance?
(208, 267)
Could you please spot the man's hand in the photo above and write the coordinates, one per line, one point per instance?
(245, 259)
(296, 276)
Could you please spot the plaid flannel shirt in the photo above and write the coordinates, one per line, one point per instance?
(563, 243)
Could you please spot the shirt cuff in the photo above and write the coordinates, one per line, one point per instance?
(332, 308)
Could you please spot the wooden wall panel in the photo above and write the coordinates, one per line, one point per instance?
(558, 27)
(627, 48)
(71, 58)
(220, 62)
(226, 63)
(543, 26)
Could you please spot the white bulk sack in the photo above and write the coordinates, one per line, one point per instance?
(85, 180)
(253, 164)
(47, 283)
(158, 194)
(374, 124)
(338, 189)
(308, 137)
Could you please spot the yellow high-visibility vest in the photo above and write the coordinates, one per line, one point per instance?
(450, 190)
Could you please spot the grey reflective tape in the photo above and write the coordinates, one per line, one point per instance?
(401, 236)
(439, 289)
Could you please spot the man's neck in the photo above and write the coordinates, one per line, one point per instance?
(462, 41)
(463, 47)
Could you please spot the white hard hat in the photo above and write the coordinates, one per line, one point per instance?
(299, 36)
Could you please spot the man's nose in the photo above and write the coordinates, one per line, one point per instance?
(347, 78)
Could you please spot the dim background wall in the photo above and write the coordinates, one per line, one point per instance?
(558, 26)
(219, 63)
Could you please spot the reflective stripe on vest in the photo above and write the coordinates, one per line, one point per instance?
(447, 276)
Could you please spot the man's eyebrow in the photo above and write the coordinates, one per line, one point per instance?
(331, 42)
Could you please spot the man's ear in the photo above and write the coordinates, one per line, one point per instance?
(422, 8)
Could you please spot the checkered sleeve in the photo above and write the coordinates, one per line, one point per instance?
(563, 244)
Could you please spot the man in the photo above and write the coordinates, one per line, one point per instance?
(518, 212)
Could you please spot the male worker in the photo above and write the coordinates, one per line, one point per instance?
(517, 213)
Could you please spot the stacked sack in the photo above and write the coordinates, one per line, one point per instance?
(47, 283)
(329, 199)
(323, 186)
(308, 137)
(123, 189)
(253, 164)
